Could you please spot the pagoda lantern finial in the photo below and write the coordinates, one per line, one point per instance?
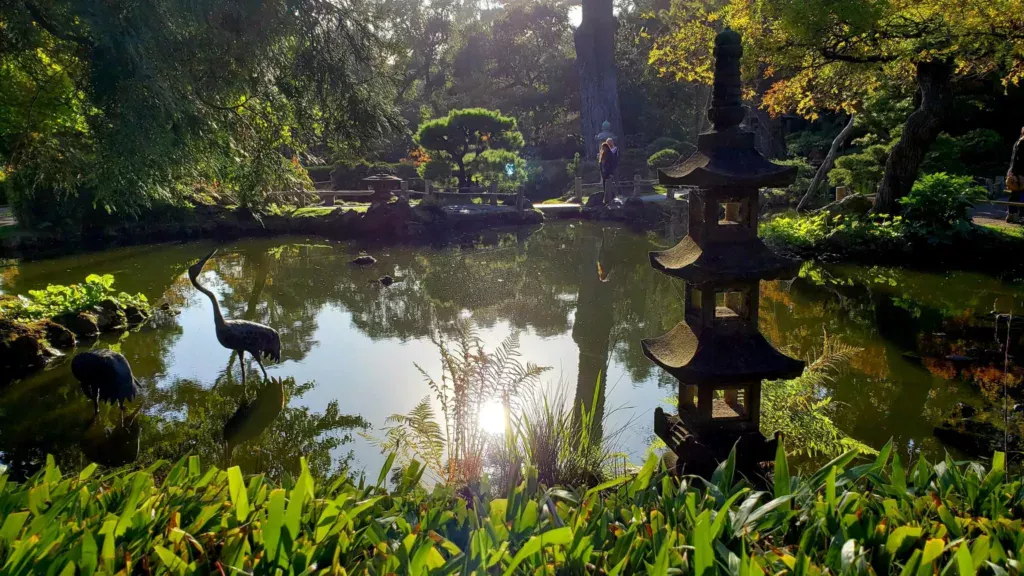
(717, 352)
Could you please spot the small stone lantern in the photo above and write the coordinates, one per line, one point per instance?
(718, 353)
(383, 186)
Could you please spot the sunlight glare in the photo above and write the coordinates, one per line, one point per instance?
(492, 417)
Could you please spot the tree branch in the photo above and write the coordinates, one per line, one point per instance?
(47, 24)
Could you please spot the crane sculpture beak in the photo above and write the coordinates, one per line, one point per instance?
(197, 268)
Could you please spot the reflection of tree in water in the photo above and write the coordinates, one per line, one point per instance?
(187, 418)
(893, 315)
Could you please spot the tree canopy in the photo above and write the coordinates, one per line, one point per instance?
(464, 134)
(126, 103)
(834, 54)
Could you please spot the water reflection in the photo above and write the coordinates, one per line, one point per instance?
(349, 344)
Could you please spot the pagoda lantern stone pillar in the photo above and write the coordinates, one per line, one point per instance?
(717, 352)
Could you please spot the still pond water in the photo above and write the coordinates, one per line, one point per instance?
(350, 348)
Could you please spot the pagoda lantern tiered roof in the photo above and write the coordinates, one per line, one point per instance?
(717, 353)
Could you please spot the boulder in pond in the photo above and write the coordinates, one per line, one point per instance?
(364, 260)
(594, 200)
(110, 316)
(135, 315)
(22, 348)
(82, 324)
(386, 281)
(59, 336)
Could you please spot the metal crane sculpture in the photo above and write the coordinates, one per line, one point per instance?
(240, 336)
(105, 376)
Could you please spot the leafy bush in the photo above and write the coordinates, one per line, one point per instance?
(573, 168)
(875, 516)
(978, 152)
(825, 232)
(437, 169)
(862, 170)
(939, 205)
(663, 158)
(493, 166)
(791, 195)
(662, 144)
(57, 299)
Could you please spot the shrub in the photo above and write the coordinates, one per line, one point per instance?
(860, 171)
(505, 167)
(939, 205)
(573, 168)
(979, 151)
(881, 515)
(662, 144)
(438, 169)
(663, 158)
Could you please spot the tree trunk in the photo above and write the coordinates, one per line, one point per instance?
(922, 128)
(595, 61)
(463, 180)
(827, 164)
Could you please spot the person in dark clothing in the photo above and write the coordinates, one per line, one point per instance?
(1015, 179)
(609, 161)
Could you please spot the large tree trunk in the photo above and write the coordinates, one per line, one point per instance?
(595, 61)
(922, 128)
(827, 164)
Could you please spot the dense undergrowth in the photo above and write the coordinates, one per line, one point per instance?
(851, 516)
(935, 219)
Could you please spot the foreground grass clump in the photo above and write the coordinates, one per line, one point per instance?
(874, 516)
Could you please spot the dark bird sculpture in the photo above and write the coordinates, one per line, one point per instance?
(105, 376)
(240, 336)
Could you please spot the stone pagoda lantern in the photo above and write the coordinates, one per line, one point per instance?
(717, 353)
(383, 186)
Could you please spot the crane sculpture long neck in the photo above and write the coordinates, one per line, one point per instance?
(218, 316)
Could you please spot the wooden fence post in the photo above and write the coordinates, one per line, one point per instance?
(578, 188)
(428, 194)
(405, 190)
(519, 199)
(494, 193)
(636, 185)
(841, 193)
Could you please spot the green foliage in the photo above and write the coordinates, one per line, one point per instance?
(879, 515)
(492, 166)
(575, 167)
(803, 413)
(663, 158)
(464, 134)
(123, 108)
(862, 170)
(939, 205)
(438, 169)
(454, 450)
(978, 152)
(663, 143)
(790, 196)
(57, 299)
(824, 232)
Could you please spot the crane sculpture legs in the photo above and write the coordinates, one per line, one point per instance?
(242, 362)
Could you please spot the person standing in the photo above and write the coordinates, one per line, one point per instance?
(1015, 179)
(608, 161)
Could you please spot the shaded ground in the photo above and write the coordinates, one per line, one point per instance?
(6, 217)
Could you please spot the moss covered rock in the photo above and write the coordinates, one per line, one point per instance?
(82, 324)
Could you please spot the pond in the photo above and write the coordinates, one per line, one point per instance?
(580, 296)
